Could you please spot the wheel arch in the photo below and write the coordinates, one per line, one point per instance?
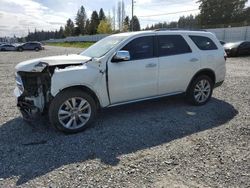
(208, 72)
(84, 89)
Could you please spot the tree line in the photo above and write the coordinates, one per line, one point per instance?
(98, 23)
(213, 14)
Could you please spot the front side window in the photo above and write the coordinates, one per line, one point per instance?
(203, 43)
(140, 48)
(172, 45)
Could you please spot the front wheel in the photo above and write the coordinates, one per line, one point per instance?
(72, 111)
(200, 90)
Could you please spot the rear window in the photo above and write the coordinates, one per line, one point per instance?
(172, 45)
(203, 43)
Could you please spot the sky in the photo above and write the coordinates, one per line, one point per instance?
(17, 17)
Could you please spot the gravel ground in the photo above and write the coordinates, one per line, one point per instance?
(159, 143)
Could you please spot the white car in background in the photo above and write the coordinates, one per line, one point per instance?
(120, 69)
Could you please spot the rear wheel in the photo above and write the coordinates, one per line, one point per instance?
(20, 49)
(200, 90)
(37, 49)
(72, 111)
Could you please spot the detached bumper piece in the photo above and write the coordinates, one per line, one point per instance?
(28, 110)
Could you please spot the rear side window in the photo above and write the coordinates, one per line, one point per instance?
(141, 48)
(172, 45)
(203, 43)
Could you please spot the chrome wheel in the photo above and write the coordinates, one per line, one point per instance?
(74, 113)
(202, 91)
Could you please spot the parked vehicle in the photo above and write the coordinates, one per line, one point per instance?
(30, 46)
(234, 49)
(120, 69)
(7, 47)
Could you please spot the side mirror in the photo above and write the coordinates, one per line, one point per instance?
(121, 56)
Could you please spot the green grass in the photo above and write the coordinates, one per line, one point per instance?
(71, 44)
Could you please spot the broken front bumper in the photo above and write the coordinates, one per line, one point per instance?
(28, 110)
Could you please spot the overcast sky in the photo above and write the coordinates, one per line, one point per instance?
(19, 16)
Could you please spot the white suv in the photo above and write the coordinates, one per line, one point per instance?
(120, 69)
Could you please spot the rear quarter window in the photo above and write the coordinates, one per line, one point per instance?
(203, 43)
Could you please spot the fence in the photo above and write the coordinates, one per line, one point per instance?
(232, 34)
(226, 34)
(86, 38)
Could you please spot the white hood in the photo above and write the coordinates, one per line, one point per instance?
(37, 65)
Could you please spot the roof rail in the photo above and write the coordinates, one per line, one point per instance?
(177, 29)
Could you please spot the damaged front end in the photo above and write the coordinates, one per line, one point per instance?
(34, 78)
(33, 92)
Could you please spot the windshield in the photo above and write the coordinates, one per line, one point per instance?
(103, 46)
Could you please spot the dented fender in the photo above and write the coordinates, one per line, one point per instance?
(88, 75)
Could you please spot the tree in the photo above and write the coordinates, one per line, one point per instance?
(81, 21)
(135, 24)
(215, 12)
(126, 24)
(105, 27)
(189, 22)
(61, 33)
(102, 15)
(69, 28)
(94, 22)
(120, 14)
(87, 27)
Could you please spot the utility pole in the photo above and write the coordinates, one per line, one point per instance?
(132, 20)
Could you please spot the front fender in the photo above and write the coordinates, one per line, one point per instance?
(81, 75)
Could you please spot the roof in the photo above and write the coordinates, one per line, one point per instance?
(127, 34)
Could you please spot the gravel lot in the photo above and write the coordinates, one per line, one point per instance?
(159, 143)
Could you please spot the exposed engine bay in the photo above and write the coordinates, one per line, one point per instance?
(34, 90)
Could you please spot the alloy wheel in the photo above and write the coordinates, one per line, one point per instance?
(74, 113)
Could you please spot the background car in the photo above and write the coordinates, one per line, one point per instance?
(7, 47)
(237, 48)
(30, 46)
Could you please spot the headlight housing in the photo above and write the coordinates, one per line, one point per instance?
(19, 83)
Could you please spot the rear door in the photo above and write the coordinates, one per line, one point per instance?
(177, 63)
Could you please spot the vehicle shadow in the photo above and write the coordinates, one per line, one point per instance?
(30, 151)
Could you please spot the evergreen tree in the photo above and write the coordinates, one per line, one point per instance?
(126, 24)
(69, 28)
(87, 27)
(61, 33)
(94, 22)
(102, 15)
(215, 12)
(81, 21)
(135, 24)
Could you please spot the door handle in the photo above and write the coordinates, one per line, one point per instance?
(150, 65)
(194, 60)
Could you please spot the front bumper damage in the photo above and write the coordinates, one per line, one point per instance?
(29, 112)
(31, 94)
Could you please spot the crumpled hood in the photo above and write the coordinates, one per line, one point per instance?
(37, 65)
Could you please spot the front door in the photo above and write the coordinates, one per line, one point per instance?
(136, 78)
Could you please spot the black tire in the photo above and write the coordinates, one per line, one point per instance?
(36, 49)
(59, 100)
(191, 90)
(20, 49)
